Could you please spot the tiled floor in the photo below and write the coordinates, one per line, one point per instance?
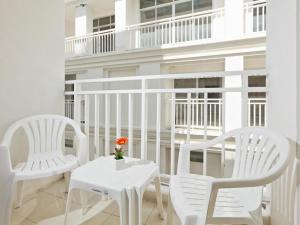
(47, 207)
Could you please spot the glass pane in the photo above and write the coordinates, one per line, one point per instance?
(146, 3)
(163, 1)
(201, 5)
(183, 8)
(95, 23)
(105, 20)
(148, 15)
(113, 19)
(257, 81)
(105, 28)
(95, 30)
(164, 12)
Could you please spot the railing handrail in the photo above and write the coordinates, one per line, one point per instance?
(176, 18)
(99, 33)
(255, 3)
(198, 99)
(261, 72)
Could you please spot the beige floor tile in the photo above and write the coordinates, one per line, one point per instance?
(43, 207)
(47, 207)
(113, 208)
(98, 219)
(20, 220)
(112, 220)
(57, 189)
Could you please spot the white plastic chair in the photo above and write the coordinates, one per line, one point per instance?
(6, 186)
(45, 135)
(261, 157)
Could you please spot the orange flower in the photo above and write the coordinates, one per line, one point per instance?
(121, 140)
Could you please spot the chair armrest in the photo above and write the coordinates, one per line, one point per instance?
(223, 183)
(81, 143)
(185, 149)
(82, 147)
(5, 165)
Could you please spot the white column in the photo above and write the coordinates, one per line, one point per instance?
(83, 20)
(218, 21)
(83, 26)
(233, 100)
(232, 104)
(234, 18)
(283, 54)
(126, 13)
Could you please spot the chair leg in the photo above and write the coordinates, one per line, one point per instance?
(169, 211)
(20, 192)
(68, 205)
(159, 198)
(67, 176)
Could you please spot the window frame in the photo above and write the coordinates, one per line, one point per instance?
(111, 23)
(173, 3)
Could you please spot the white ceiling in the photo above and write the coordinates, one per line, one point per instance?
(99, 8)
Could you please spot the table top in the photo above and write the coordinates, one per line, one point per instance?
(101, 173)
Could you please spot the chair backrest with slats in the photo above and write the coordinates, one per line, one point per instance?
(259, 153)
(44, 132)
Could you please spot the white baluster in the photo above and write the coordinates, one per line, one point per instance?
(158, 127)
(96, 129)
(173, 134)
(130, 125)
(107, 124)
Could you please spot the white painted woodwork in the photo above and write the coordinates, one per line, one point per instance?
(209, 114)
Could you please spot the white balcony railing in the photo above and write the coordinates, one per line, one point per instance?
(257, 112)
(174, 30)
(255, 16)
(69, 108)
(146, 112)
(95, 43)
(198, 113)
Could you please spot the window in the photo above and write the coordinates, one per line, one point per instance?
(159, 9)
(104, 23)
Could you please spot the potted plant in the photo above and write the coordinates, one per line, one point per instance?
(119, 153)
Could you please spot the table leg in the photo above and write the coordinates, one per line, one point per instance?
(122, 201)
(159, 198)
(132, 207)
(170, 211)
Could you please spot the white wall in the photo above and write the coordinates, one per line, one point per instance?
(31, 60)
(283, 109)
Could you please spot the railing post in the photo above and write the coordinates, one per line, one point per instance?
(173, 31)
(173, 134)
(188, 118)
(205, 115)
(87, 117)
(244, 100)
(96, 128)
(107, 124)
(158, 127)
(77, 103)
(144, 121)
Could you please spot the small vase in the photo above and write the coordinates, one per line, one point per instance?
(120, 164)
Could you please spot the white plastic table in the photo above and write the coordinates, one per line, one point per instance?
(126, 186)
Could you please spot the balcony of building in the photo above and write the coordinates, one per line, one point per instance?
(161, 106)
(169, 24)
